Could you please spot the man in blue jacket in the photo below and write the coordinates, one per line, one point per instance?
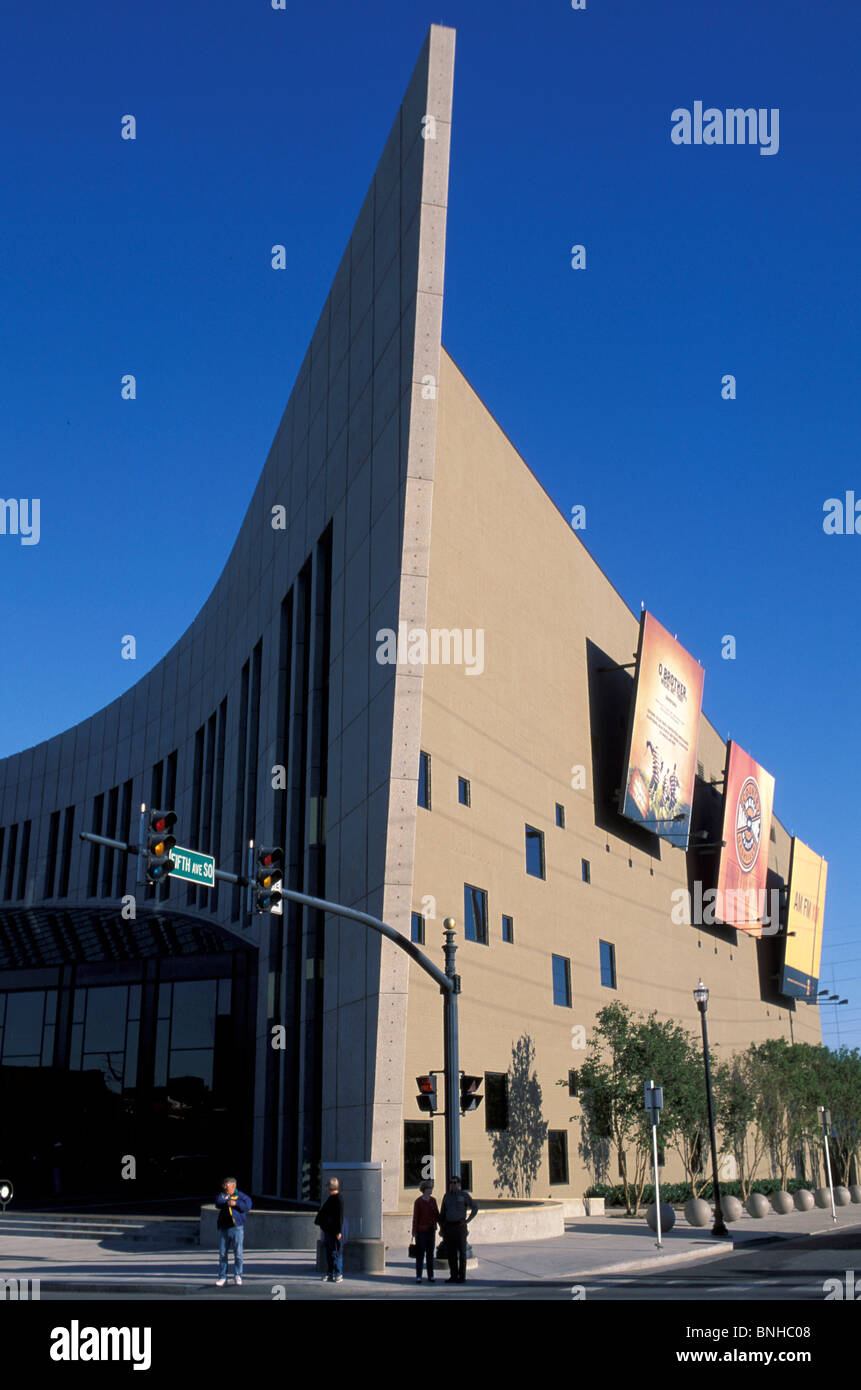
(232, 1207)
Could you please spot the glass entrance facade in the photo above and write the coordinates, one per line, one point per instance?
(130, 1088)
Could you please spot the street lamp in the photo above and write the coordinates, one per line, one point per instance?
(701, 995)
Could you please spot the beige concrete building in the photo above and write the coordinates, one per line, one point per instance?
(505, 561)
(271, 1045)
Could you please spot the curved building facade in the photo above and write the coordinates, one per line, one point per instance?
(163, 1033)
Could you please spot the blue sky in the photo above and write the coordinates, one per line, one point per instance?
(258, 126)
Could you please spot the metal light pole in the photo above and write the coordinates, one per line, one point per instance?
(826, 1126)
(701, 995)
(451, 1060)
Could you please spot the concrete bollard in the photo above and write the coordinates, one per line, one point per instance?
(758, 1205)
(697, 1212)
(668, 1217)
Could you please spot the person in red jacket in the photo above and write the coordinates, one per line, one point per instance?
(425, 1222)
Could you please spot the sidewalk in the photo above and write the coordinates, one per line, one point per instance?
(591, 1246)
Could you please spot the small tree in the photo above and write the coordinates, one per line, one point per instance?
(607, 1098)
(736, 1118)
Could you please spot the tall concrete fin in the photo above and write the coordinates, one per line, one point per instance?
(380, 566)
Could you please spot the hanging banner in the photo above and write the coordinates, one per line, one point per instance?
(808, 873)
(743, 866)
(661, 757)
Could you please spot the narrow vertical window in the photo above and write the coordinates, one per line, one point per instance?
(562, 981)
(424, 780)
(535, 852)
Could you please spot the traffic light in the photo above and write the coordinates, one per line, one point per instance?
(159, 843)
(469, 1099)
(269, 872)
(427, 1093)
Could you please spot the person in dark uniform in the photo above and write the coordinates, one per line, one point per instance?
(454, 1221)
(330, 1219)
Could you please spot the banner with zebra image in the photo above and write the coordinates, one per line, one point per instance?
(661, 758)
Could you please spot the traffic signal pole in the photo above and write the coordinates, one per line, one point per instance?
(448, 981)
(451, 1061)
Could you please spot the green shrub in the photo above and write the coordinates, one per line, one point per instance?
(677, 1193)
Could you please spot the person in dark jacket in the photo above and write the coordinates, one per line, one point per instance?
(330, 1219)
(232, 1208)
(454, 1221)
(425, 1222)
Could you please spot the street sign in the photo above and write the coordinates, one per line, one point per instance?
(197, 868)
(654, 1100)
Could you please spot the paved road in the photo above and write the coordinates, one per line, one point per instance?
(792, 1269)
(788, 1270)
(609, 1259)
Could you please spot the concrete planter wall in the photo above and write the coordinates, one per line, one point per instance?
(496, 1223)
(582, 1206)
(265, 1230)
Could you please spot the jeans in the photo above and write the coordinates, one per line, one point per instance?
(334, 1254)
(425, 1242)
(235, 1236)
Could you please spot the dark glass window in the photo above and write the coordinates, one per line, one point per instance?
(417, 929)
(23, 1033)
(466, 1174)
(586, 870)
(463, 791)
(424, 780)
(475, 913)
(418, 1151)
(573, 1083)
(507, 928)
(557, 1146)
(534, 852)
(495, 1100)
(608, 964)
(560, 816)
(562, 981)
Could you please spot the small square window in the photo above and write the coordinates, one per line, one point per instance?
(573, 1084)
(562, 981)
(417, 929)
(586, 870)
(424, 780)
(507, 928)
(608, 964)
(535, 852)
(463, 791)
(475, 913)
(560, 816)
